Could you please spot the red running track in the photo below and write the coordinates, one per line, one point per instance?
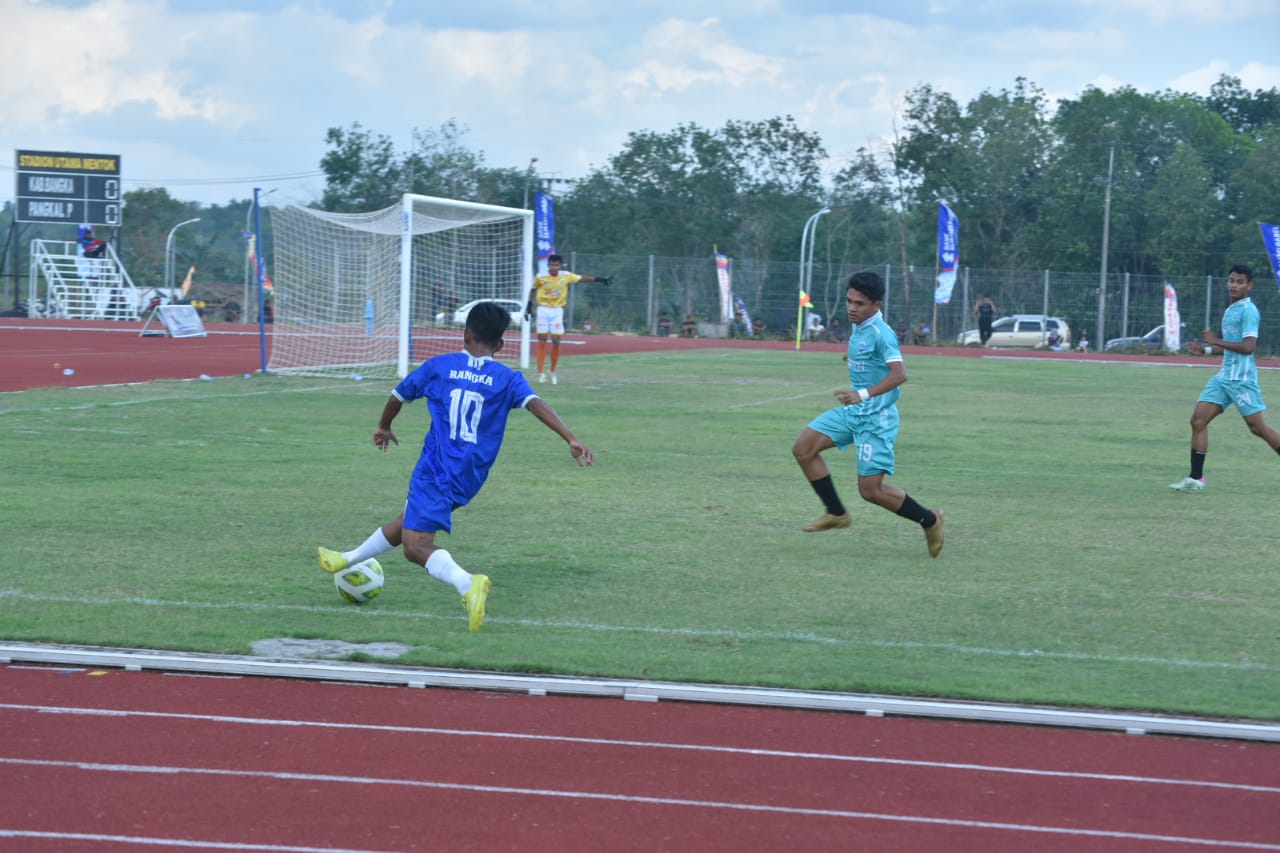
(35, 352)
(93, 760)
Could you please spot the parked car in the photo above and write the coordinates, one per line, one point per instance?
(1152, 341)
(1027, 331)
(459, 317)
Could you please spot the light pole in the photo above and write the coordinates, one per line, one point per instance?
(248, 211)
(168, 252)
(528, 176)
(1106, 233)
(807, 237)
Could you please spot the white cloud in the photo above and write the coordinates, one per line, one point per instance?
(232, 96)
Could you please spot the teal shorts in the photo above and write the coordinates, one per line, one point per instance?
(871, 436)
(1246, 395)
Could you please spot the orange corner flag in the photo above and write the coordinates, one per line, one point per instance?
(805, 301)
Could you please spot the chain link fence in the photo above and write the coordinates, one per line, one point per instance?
(646, 286)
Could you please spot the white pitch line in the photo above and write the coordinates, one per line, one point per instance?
(783, 636)
(640, 744)
(95, 767)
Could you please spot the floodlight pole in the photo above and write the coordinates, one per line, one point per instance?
(806, 265)
(168, 252)
(1106, 232)
(528, 178)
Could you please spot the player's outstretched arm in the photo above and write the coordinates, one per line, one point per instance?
(382, 435)
(603, 279)
(543, 412)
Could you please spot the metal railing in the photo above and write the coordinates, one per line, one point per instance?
(63, 283)
(646, 286)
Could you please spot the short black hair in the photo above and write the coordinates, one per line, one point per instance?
(555, 258)
(869, 284)
(488, 321)
(1244, 270)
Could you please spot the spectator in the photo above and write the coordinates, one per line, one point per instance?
(664, 324)
(922, 333)
(1083, 344)
(901, 331)
(836, 334)
(689, 328)
(1054, 341)
(813, 326)
(231, 311)
(588, 325)
(986, 311)
(738, 328)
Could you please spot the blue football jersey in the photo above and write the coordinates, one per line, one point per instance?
(469, 399)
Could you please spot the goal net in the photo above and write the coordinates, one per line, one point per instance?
(374, 294)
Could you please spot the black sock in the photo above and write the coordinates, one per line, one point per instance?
(914, 512)
(1197, 464)
(827, 494)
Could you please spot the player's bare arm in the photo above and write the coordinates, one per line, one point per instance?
(382, 435)
(1245, 347)
(897, 376)
(541, 410)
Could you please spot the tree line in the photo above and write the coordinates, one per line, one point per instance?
(1189, 178)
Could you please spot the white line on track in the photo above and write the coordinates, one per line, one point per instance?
(640, 744)
(94, 767)
(98, 838)
(785, 636)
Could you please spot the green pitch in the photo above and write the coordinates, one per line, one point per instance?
(186, 516)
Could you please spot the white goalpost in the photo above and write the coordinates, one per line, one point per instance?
(374, 294)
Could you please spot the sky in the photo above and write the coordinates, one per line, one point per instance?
(211, 98)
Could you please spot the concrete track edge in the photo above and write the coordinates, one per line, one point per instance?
(646, 691)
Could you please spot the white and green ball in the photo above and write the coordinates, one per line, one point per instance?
(361, 582)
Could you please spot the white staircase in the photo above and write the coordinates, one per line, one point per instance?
(68, 286)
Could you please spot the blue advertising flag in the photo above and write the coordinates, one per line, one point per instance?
(544, 230)
(1271, 236)
(948, 253)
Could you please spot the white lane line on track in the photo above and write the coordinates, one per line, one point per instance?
(628, 798)
(99, 838)
(610, 742)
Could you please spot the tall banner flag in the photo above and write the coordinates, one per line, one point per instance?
(1271, 236)
(726, 288)
(948, 253)
(544, 230)
(1172, 320)
(259, 273)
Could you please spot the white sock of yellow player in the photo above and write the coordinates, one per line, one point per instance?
(372, 547)
(442, 567)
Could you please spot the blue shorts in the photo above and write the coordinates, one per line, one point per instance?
(428, 508)
(1223, 392)
(872, 436)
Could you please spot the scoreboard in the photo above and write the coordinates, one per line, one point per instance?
(59, 186)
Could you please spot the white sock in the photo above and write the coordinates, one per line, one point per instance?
(372, 547)
(442, 567)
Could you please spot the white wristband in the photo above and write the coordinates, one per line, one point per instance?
(862, 392)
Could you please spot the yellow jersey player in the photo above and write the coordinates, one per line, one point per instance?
(547, 297)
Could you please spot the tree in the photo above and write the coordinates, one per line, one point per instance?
(986, 160)
(362, 172)
(1184, 211)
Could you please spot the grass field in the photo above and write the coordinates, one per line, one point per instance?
(186, 516)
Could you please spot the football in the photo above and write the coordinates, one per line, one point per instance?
(361, 582)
